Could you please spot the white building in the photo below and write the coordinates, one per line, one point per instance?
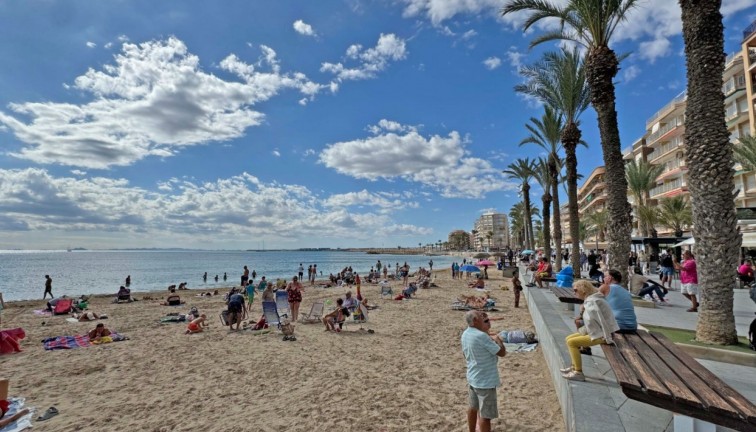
(491, 232)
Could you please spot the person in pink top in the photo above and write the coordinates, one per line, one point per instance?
(688, 278)
(745, 272)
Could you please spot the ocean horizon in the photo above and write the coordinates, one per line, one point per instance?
(102, 271)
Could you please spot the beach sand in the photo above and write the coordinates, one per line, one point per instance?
(407, 376)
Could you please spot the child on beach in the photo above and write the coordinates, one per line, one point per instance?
(250, 295)
(197, 325)
(516, 289)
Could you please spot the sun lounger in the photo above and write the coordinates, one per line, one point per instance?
(282, 303)
(315, 315)
(271, 314)
(386, 290)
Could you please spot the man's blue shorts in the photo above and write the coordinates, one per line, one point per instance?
(667, 271)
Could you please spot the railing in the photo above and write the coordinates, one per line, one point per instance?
(749, 30)
(730, 58)
(679, 98)
(666, 187)
(733, 85)
(666, 148)
(663, 130)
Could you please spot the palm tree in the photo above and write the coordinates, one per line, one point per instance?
(597, 222)
(648, 216)
(559, 82)
(745, 152)
(675, 213)
(641, 178)
(542, 175)
(709, 158)
(592, 25)
(546, 133)
(522, 170)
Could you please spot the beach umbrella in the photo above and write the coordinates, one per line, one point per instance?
(469, 268)
(527, 252)
(485, 263)
(481, 255)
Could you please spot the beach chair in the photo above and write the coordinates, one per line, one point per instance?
(315, 315)
(271, 314)
(282, 303)
(359, 316)
(386, 291)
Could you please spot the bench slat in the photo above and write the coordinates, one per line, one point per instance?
(642, 370)
(666, 367)
(738, 401)
(625, 376)
(565, 295)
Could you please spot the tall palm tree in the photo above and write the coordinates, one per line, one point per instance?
(641, 178)
(558, 81)
(648, 216)
(592, 24)
(745, 152)
(517, 224)
(709, 158)
(522, 170)
(675, 213)
(489, 236)
(546, 133)
(542, 176)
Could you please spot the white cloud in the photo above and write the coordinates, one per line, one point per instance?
(154, 100)
(373, 60)
(304, 29)
(364, 198)
(240, 206)
(390, 126)
(440, 163)
(123, 38)
(492, 63)
(309, 152)
(653, 49)
(515, 58)
(438, 11)
(108, 45)
(91, 44)
(630, 73)
(276, 153)
(78, 172)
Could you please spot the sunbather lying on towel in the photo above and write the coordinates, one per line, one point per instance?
(476, 302)
(197, 325)
(479, 283)
(99, 332)
(86, 316)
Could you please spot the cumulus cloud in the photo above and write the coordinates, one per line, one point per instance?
(276, 153)
(438, 11)
(386, 202)
(630, 73)
(303, 28)
(391, 126)
(492, 63)
(390, 47)
(91, 44)
(152, 101)
(439, 163)
(240, 206)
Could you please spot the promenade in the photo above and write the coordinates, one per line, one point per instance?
(598, 404)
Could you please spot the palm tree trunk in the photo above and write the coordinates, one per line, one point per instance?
(709, 157)
(570, 139)
(555, 216)
(528, 216)
(601, 68)
(545, 214)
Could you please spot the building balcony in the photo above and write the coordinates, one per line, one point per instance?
(665, 149)
(664, 130)
(672, 173)
(593, 203)
(733, 85)
(666, 109)
(750, 30)
(668, 189)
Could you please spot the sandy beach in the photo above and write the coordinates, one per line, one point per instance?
(407, 376)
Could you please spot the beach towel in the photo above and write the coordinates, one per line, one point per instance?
(42, 312)
(520, 347)
(173, 319)
(63, 306)
(16, 405)
(9, 340)
(76, 341)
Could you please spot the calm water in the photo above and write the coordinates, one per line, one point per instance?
(22, 273)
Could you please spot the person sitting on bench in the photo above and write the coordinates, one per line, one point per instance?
(543, 272)
(599, 325)
(745, 272)
(620, 301)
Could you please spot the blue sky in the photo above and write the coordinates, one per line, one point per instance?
(223, 125)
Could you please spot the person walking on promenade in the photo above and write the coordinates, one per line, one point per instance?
(667, 268)
(48, 287)
(688, 279)
(599, 324)
(482, 354)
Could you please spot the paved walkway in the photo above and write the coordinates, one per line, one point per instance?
(600, 399)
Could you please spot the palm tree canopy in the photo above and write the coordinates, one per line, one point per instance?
(675, 212)
(546, 132)
(641, 177)
(589, 23)
(521, 169)
(558, 81)
(745, 152)
(542, 175)
(596, 221)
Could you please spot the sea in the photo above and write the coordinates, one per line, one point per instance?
(22, 273)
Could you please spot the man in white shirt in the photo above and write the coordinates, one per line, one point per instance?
(482, 353)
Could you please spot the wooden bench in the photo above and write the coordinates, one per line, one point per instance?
(566, 295)
(548, 281)
(652, 369)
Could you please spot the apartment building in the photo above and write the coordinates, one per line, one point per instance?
(495, 223)
(591, 198)
(564, 221)
(748, 56)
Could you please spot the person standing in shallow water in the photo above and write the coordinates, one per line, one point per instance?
(48, 287)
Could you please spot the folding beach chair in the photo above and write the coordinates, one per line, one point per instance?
(386, 290)
(282, 303)
(271, 314)
(315, 315)
(360, 316)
